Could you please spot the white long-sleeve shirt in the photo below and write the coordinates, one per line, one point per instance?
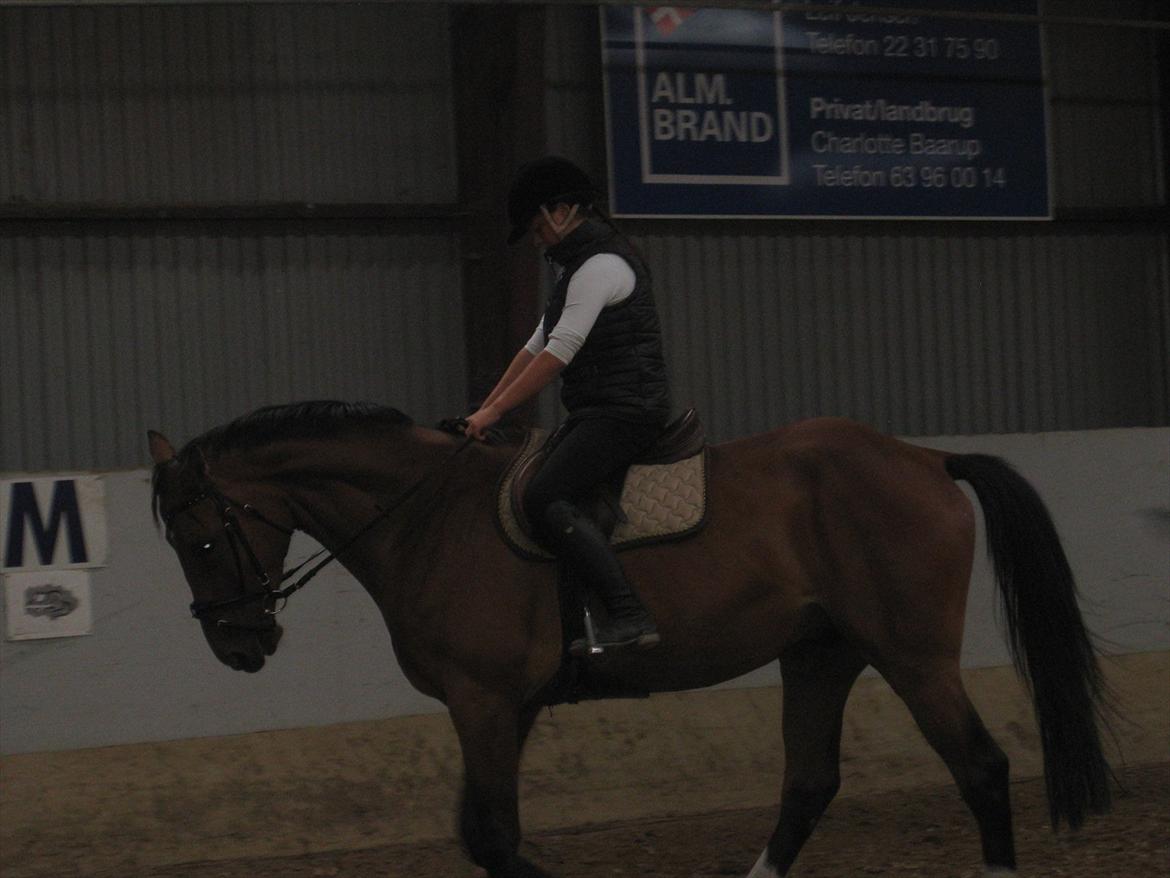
(602, 280)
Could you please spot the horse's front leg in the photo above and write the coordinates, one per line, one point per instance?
(491, 733)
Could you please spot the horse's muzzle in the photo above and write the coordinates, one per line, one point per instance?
(244, 649)
(242, 661)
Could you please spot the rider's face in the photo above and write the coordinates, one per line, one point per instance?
(549, 227)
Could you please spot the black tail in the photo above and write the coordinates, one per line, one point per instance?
(1050, 647)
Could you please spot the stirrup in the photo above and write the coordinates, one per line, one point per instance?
(589, 645)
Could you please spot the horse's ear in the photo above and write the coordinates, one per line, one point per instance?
(161, 451)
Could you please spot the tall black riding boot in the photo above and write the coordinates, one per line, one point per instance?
(577, 540)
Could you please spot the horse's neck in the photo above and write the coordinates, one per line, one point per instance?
(336, 486)
(333, 488)
(395, 561)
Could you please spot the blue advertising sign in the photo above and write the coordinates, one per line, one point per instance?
(827, 113)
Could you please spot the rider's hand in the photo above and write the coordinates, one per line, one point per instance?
(481, 421)
(451, 425)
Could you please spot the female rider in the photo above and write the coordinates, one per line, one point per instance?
(601, 334)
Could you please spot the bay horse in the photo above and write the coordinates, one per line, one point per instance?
(829, 547)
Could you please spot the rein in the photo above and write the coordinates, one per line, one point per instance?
(275, 599)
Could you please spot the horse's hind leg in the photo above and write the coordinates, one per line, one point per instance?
(817, 678)
(935, 695)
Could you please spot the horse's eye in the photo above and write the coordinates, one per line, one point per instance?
(206, 548)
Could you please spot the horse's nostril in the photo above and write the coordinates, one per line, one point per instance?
(242, 661)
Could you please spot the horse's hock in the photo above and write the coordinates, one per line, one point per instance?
(362, 785)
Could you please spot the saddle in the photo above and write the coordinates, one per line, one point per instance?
(660, 497)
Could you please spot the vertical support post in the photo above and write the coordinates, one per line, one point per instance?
(1162, 154)
(498, 72)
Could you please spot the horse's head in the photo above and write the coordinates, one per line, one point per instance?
(231, 553)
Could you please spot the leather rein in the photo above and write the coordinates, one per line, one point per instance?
(275, 598)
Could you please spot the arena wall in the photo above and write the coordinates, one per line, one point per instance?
(132, 748)
(145, 673)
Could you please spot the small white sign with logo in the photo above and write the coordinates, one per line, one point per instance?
(47, 603)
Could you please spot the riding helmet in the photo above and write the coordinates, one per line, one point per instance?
(545, 181)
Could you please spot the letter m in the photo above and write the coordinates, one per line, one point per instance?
(24, 511)
(710, 89)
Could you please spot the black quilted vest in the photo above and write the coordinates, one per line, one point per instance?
(620, 370)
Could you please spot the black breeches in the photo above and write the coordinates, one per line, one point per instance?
(588, 452)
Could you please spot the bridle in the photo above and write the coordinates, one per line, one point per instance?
(273, 596)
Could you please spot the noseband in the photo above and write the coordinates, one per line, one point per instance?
(274, 598)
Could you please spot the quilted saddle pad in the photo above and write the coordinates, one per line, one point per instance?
(659, 502)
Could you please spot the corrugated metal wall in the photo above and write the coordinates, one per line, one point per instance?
(108, 335)
(915, 333)
(236, 103)
(925, 328)
(112, 328)
(1103, 87)
(109, 329)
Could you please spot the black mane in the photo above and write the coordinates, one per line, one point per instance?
(317, 419)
